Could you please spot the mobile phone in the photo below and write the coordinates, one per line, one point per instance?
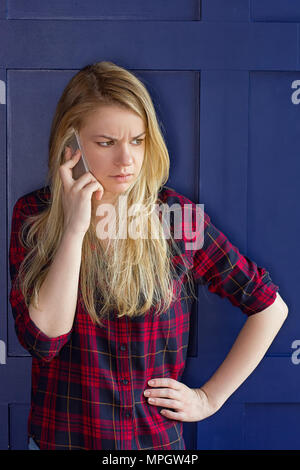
(81, 166)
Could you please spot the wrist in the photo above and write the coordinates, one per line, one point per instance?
(69, 235)
(214, 399)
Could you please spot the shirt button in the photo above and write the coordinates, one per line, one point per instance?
(123, 347)
(127, 414)
(125, 381)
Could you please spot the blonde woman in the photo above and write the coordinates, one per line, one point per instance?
(102, 316)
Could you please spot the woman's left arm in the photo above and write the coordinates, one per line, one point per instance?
(228, 273)
(247, 351)
(251, 344)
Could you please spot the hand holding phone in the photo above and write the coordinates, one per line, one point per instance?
(77, 196)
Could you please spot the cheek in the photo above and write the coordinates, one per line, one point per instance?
(98, 164)
(141, 163)
(141, 159)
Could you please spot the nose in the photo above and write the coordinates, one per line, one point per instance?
(124, 158)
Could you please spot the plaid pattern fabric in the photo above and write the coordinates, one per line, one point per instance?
(88, 384)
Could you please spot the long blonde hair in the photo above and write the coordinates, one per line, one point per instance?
(138, 274)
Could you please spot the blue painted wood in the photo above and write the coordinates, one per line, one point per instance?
(275, 10)
(3, 236)
(274, 380)
(231, 10)
(273, 183)
(18, 416)
(170, 10)
(182, 45)
(3, 9)
(264, 422)
(15, 379)
(222, 431)
(224, 79)
(4, 429)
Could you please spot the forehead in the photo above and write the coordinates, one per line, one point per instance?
(112, 122)
(112, 115)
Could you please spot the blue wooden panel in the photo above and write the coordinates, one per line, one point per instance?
(223, 150)
(30, 94)
(183, 45)
(275, 379)
(230, 10)
(273, 185)
(239, 426)
(3, 9)
(4, 430)
(260, 426)
(222, 185)
(223, 430)
(18, 417)
(15, 378)
(3, 234)
(171, 10)
(180, 129)
(275, 10)
(272, 426)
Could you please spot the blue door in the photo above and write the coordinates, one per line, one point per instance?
(224, 77)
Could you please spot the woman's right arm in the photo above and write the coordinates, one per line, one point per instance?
(57, 297)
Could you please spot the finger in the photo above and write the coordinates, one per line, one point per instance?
(65, 169)
(86, 179)
(71, 158)
(91, 187)
(176, 405)
(162, 392)
(179, 416)
(165, 382)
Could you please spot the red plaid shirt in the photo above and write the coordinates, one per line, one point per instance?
(88, 384)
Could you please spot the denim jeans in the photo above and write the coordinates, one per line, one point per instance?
(32, 445)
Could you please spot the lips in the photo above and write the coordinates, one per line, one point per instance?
(127, 174)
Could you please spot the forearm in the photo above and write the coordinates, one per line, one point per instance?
(247, 351)
(57, 297)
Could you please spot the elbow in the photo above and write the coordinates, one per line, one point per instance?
(284, 307)
(285, 312)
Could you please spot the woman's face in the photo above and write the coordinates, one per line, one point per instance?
(113, 142)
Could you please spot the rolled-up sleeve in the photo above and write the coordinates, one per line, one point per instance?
(228, 273)
(29, 335)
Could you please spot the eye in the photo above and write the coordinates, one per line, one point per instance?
(139, 140)
(102, 144)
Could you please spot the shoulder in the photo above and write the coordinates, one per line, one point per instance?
(34, 201)
(170, 196)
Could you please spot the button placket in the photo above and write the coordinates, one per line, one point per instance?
(125, 377)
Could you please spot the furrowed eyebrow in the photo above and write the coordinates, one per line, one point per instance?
(113, 138)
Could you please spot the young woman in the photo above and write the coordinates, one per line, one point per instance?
(102, 316)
